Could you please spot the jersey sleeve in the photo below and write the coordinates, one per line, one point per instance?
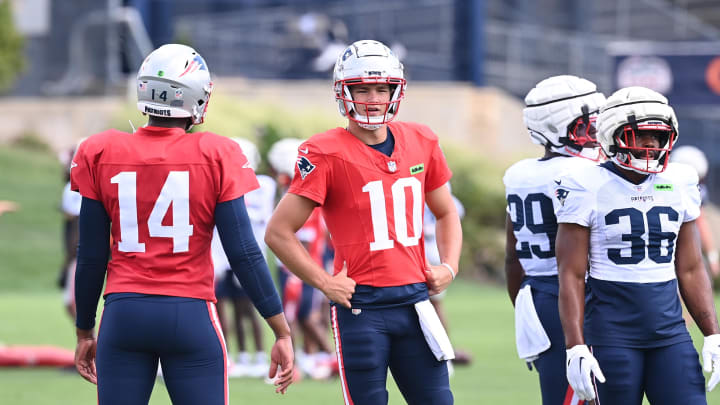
(312, 171)
(83, 170)
(573, 202)
(237, 178)
(438, 171)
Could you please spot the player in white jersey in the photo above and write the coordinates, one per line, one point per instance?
(560, 115)
(631, 222)
(695, 158)
(259, 204)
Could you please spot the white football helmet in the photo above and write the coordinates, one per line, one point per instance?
(691, 156)
(366, 62)
(282, 155)
(629, 111)
(560, 114)
(174, 81)
(250, 151)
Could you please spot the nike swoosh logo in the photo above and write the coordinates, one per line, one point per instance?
(73, 164)
(303, 150)
(557, 182)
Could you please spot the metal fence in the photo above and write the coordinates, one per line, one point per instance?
(289, 42)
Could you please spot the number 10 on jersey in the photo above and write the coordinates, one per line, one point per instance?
(381, 234)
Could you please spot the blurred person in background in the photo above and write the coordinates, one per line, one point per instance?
(560, 115)
(695, 158)
(303, 302)
(70, 207)
(228, 290)
(8, 206)
(371, 181)
(433, 256)
(626, 242)
(160, 191)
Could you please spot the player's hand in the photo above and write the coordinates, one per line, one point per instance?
(438, 278)
(711, 359)
(282, 363)
(340, 288)
(580, 365)
(85, 355)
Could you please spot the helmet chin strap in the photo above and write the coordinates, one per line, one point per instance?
(626, 161)
(370, 127)
(366, 122)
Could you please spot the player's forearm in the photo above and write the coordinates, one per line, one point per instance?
(448, 235)
(571, 247)
(279, 325)
(293, 255)
(514, 275)
(695, 289)
(245, 257)
(93, 253)
(571, 304)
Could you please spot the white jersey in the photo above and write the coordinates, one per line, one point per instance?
(260, 204)
(630, 225)
(529, 194)
(71, 201)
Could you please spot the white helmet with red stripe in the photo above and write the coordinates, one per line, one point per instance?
(368, 62)
(174, 82)
(250, 151)
(560, 114)
(628, 112)
(693, 157)
(282, 156)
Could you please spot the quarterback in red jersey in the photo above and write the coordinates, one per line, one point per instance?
(159, 192)
(372, 180)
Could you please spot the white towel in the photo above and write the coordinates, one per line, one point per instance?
(530, 336)
(435, 335)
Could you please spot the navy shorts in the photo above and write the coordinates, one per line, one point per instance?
(369, 341)
(184, 334)
(668, 375)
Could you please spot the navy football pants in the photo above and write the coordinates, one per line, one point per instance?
(372, 340)
(551, 363)
(669, 375)
(183, 333)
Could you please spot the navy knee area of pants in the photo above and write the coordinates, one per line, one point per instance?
(551, 363)
(372, 340)
(667, 375)
(138, 330)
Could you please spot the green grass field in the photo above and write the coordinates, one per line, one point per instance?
(480, 317)
(31, 312)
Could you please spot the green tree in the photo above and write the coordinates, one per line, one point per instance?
(11, 48)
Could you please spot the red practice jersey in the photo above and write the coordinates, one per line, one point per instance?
(373, 203)
(160, 187)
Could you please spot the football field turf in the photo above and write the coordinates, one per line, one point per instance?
(481, 323)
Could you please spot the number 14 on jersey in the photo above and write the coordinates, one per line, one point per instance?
(175, 191)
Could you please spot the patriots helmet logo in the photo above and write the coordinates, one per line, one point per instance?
(561, 195)
(304, 166)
